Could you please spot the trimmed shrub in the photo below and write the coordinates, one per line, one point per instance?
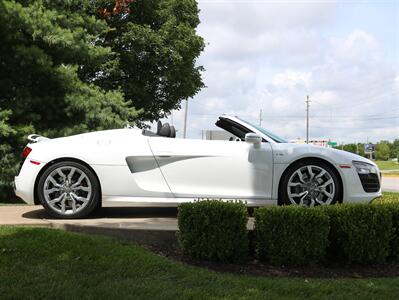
(291, 235)
(359, 233)
(214, 230)
(394, 245)
(395, 239)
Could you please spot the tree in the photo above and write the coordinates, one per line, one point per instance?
(47, 49)
(155, 48)
(72, 66)
(360, 148)
(350, 148)
(382, 151)
(394, 152)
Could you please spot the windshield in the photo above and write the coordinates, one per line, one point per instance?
(271, 135)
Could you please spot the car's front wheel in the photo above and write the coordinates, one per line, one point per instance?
(310, 183)
(68, 190)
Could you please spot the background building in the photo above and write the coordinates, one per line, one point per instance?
(317, 142)
(219, 135)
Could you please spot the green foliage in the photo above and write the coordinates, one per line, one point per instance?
(351, 148)
(66, 69)
(382, 151)
(38, 263)
(214, 230)
(359, 233)
(291, 235)
(393, 208)
(155, 48)
(387, 198)
(391, 152)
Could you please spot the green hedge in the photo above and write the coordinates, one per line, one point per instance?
(394, 245)
(214, 230)
(359, 233)
(395, 239)
(291, 235)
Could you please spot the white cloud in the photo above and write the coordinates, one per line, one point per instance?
(358, 47)
(292, 79)
(270, 55)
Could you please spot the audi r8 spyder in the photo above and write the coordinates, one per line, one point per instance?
(71, 176)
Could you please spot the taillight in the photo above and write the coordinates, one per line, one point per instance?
(26, 152)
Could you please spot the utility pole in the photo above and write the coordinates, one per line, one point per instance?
(307, 119)
(260, 117)
(185, 120)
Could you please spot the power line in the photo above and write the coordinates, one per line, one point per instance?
(342, 118)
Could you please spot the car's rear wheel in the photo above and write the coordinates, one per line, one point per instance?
(310, 183)
(68, 190)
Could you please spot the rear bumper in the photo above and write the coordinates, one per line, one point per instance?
(24, 183)
(22, 191)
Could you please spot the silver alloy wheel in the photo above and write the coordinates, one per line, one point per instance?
(67, 190)
(311, 185)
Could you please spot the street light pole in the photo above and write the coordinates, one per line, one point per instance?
(307, 119)
(185, 120)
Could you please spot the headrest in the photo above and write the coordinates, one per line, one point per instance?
(172, 132)
(165, 130)
(159, 127)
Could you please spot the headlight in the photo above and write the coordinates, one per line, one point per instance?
(365, 168)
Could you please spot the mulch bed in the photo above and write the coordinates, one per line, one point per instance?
(256, 268)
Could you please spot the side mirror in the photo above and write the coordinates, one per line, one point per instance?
(253, 138)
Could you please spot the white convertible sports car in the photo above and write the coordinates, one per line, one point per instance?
(71, 176)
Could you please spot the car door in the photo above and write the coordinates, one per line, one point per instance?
(220, 169)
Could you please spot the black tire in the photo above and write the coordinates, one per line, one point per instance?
(94, 198)
(283, 193)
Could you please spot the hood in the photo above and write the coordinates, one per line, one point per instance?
(292, 151)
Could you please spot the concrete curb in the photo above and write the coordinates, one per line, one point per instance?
(144, 226)
(141, 226)
(152, 238)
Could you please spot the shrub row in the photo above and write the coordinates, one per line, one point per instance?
(359, 233)
(290, 235)
(214, 230)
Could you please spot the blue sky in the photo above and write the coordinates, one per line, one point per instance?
(269, 55)
(379, 18)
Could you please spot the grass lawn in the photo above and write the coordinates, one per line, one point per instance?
(388, 167)
(39, 263)
(388, 197)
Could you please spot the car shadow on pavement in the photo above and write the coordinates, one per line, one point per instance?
(113, 213)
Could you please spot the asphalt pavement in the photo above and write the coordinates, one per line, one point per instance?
(390, 183)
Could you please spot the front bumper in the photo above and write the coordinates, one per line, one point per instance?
(353, 187)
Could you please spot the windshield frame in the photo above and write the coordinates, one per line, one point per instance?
(265, 132)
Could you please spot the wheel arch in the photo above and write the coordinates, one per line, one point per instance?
(310, 159)
(50, 163)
